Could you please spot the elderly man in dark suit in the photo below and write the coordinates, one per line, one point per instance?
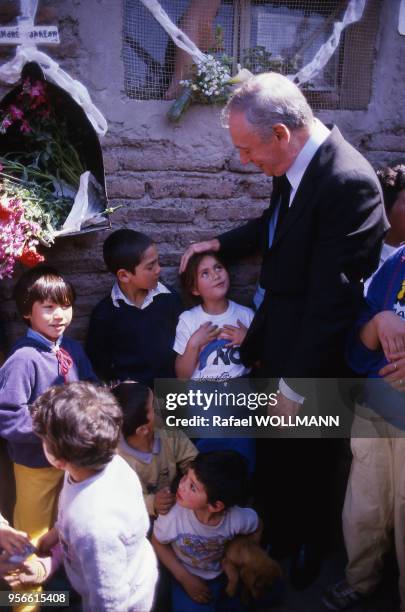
(319, 238)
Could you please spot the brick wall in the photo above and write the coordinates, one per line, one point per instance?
(184, 183)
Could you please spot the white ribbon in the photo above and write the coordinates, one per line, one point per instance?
(11, 72)
(353, 13)
(180, 39)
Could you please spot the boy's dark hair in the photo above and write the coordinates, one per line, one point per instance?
(188, 278)
(133, 398)
(392, 181)
(40, 284)
(224, 475)
(124, 249)
(79, 422)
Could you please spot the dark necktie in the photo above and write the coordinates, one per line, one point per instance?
(65, 362)
(285, 192)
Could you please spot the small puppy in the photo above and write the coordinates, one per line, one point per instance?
(246, 560)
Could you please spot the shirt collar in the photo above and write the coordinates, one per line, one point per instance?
(34, 335)
(142, 455)
(117, 295)
(317, 137)
(386, 251)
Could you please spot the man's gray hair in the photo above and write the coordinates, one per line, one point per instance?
(267, 99)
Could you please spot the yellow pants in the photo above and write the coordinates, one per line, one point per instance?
(375, 502)
(37, 491)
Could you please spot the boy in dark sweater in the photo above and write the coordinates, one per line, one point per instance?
(132, 330)
(41, 359)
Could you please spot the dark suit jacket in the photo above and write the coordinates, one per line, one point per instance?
(329, 240)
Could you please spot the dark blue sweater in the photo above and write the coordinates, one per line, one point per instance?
(29, 371)
(126, 342)
(384, 293)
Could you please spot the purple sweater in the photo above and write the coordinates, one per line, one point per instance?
(31, 369)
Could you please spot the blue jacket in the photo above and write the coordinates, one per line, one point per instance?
(32, 369)
(386, 292)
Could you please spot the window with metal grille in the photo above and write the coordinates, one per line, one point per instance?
(262, 35)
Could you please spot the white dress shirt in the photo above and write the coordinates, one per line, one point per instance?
(319, 133)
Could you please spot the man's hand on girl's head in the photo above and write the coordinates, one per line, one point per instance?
(198, 247)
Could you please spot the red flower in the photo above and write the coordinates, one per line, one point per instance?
(5, 212)
(30, 258)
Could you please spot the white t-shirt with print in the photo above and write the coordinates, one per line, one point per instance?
(216, 361)
(198, 546)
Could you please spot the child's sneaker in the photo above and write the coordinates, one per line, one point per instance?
(341, 596)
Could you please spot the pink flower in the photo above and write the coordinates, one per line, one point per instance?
(37, 89)
(15, 112)
(25, 127)
(5, 124)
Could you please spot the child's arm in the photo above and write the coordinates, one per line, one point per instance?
(194, 586)
(48, 540)
(103, 559)
(17, 380)
(187, 362)
(256, 535)
(163, 501)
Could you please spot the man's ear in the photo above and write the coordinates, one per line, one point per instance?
(281, 132)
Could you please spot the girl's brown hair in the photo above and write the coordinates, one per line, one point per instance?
(188, 278)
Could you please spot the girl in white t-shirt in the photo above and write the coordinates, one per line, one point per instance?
(208, 336)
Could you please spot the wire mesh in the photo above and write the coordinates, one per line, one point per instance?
(262, 35)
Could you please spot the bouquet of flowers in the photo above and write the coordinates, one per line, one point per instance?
(210, 83)
(38, 180)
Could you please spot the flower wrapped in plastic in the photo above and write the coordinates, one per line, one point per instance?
(41, 176)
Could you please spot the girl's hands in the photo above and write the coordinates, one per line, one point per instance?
(204, 335)
(235, 335)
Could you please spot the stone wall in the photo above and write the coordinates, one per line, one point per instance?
(184, 183)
